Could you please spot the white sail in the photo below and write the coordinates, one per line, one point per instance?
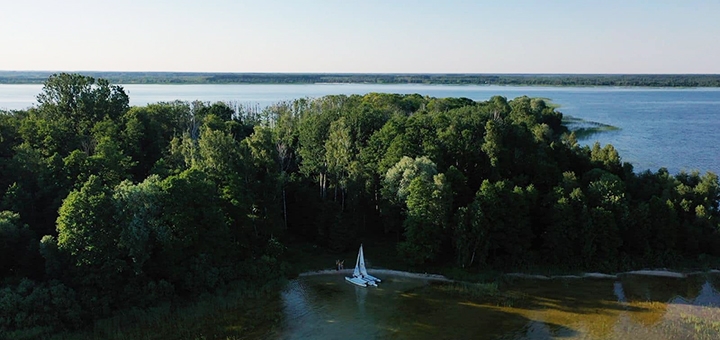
(356, 272)
(361, 256)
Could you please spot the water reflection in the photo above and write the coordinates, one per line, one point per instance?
(619, 291)
(708, 297)
(637, 307)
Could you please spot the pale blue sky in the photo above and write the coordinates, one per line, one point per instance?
(385, 36)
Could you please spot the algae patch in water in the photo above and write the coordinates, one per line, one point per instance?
(584, 129)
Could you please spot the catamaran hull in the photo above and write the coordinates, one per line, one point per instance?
(369, 282)
(370, 278)
(356, 281)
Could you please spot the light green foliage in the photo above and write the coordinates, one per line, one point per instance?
(524, 111)
(217, 153)
(428, 207)
(498, 107)
(263, 149)
(138, 214)
(338, 152)
(80, 102)
(86, 228)
(147, 131)
(421, 135)
(263, 179)
(399, 177)
(607, 157)
(383, 151)
(493, 141)
(314, 129)
(109, 161)
(606, 190)
(415, 184)
(48, 136)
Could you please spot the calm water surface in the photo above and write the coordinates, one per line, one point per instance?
(632, 307)
(671, 128)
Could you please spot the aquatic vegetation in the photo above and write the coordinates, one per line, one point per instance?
(585, 129)
(469, 290)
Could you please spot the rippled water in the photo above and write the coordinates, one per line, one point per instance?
(632, 307)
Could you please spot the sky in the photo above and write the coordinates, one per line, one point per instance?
(369, 36)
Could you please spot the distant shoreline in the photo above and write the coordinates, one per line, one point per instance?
(554, 80)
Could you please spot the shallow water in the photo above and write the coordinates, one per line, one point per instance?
(631, 307)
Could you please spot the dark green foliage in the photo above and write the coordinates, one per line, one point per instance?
(18, 246)
(105, 207)
(652, 80)
(38, 308)
(504, 212)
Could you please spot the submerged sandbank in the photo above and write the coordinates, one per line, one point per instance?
(437, 277)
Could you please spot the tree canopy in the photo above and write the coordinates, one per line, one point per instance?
(105, 206)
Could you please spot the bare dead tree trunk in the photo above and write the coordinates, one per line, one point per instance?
(377, 200)
(194, 123)
(324, 185)
(88, 145)
(284, 157)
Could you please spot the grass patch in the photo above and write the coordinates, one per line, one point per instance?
(473, 291)
(549, 102)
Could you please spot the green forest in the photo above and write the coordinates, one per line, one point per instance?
(651, 80)
(105, 207)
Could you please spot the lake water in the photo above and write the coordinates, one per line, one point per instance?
(631, 307)
(658, 127)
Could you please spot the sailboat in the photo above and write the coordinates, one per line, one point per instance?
(360, 275)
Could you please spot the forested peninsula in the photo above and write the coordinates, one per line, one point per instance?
(647, 80)
(107, 208)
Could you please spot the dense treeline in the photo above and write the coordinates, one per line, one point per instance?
(105, 206)
(652, 80)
